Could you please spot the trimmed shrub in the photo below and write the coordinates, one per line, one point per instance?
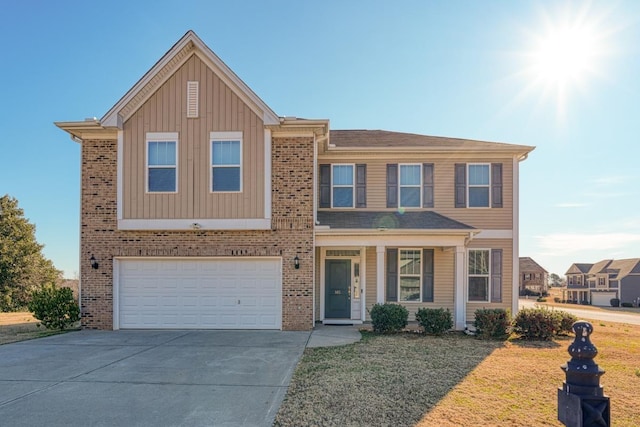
(541, 299)
(557, 299)
(615, 302)
(388, 318)
(537, 324)
(434, 321)
(626, 304)
(566, 322)
(492, 323)
(54, 307)
(585, 302)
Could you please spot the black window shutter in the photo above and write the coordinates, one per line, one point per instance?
(496, 185)
(427, 185)
(496, 275)
(392, 185)
(427, 275)
(361, 186)
(325, 186)
(461, 185)
(392, 275)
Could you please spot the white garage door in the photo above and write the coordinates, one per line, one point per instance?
(602, 298)
(199, 293)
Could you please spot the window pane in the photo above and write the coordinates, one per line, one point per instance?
(162, 179)
(478, 262)
(479, 197)
(410, 197)
(410, 262)
(410, 175)
(226, 153)
(409, 289)
(478, 174)
(162, 153)
(226, 179)
(478, 288)
(343, 197)
(342, 175)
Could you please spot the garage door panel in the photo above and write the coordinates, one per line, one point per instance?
(212, 293)
(602, 298)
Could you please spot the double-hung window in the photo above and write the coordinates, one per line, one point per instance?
(226, 161)
(479, 274)
(410, 274)
(479, 185)
(162, 162)
(410, 186)
(342, 186)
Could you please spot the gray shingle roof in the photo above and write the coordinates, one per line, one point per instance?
(528, 264)
(412, 220)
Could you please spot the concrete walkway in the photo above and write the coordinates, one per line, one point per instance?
(334, 335)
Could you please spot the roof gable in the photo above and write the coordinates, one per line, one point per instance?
(528, 264)
(579, 268)
(190, 44)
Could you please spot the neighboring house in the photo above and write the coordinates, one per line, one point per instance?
(202, 208)
(532, 276)
(598, 283)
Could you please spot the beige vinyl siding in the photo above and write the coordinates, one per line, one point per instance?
(507, 274)
(444, 273)
(219, 110)
(484, 218)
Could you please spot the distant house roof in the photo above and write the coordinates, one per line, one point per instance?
(600, 266)
(528, 264)
(413, 220)
(388, 139)
(579, 268)
(617, 269)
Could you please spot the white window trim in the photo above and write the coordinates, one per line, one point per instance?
(478, 186)
(224, 136)
(352, 186)
(419, 186)
(410, 275)
(488, 275)
(159, 137)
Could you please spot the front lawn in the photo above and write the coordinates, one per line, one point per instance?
(20, 326)
(455, 380)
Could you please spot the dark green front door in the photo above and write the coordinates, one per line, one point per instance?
(337, 282)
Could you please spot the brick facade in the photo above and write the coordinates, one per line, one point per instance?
(291, 233)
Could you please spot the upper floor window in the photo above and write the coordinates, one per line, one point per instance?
(410, 186)
(162, 162)
(478, 185)
(226, 161)
(342, 186)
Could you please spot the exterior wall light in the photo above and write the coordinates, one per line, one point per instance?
(296, 262)
(94, 262)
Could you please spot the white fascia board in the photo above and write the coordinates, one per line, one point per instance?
(391, 240)
(195, 224)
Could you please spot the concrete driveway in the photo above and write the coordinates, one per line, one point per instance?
(148, 378)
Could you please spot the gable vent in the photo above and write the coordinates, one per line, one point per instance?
(192, 100)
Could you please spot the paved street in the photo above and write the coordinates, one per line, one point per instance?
(594, 313)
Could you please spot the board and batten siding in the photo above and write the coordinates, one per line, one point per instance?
(443, 281)
(220, 109)
(507, 274)
(482, 218)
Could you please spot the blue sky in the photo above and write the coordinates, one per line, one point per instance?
(563, 76)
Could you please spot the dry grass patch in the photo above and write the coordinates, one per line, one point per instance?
(19, 327)
(408, 379)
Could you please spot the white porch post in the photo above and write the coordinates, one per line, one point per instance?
(380, 274)
(460, 306)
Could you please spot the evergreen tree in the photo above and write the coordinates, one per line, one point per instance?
(23, 267)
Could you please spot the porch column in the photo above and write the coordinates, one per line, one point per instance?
(460, 305)
(380, 274)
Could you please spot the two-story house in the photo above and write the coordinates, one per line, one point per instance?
(532, 276)
(202, 208)
(598, 283)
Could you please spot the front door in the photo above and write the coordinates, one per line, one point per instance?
(337, 287)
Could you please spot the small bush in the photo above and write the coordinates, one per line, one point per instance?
(541, 299)
(626, 304)
(557, 299)
(566, 322)
(615, 302)
(388, 318)
(55, 308)
(537, 324)
(434, 321)
(585, 302)
(492, 323)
